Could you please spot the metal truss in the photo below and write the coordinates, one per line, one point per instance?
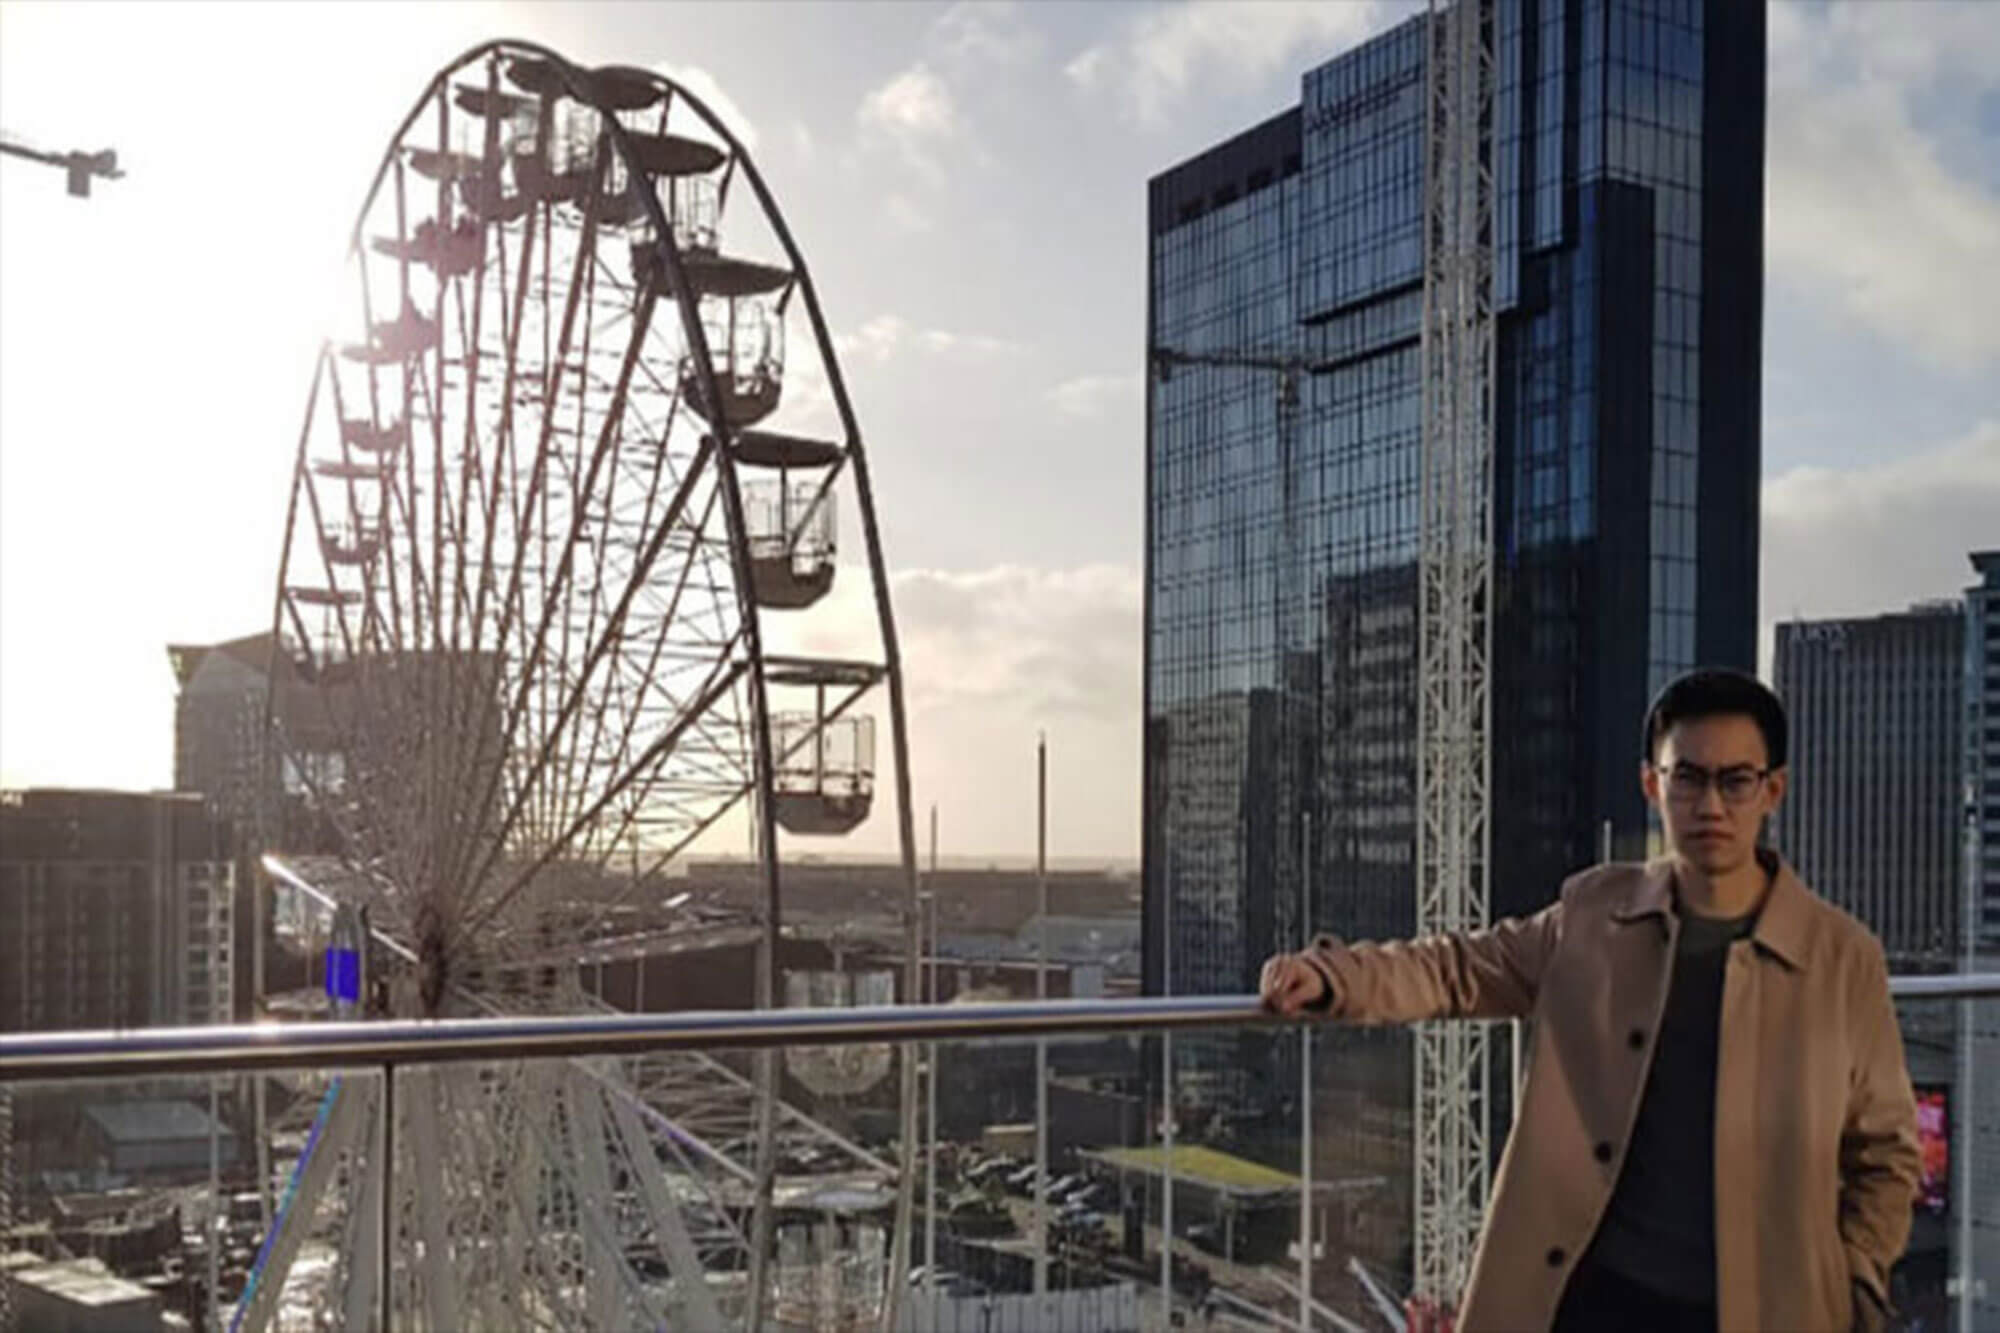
(1454, 619)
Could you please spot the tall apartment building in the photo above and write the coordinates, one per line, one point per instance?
(1976, 1114)
(1982, 753)
(1872, 818)
(226, 691)
(1876, 820)
(116, 910)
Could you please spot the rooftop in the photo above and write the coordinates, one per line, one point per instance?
(85, 1282)
(152, 1121)
(1205, 1166)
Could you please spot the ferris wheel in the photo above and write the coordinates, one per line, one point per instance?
(563, 513)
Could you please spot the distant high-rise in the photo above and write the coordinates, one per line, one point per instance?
(1871, 818)
(220, 713)
(116, 910)
(1976, 1113)
(1982, 751)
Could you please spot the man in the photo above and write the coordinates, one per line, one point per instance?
(1717, 1130)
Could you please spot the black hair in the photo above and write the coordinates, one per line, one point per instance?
(1713, 692)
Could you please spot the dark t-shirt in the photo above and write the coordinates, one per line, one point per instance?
(1659, 1228)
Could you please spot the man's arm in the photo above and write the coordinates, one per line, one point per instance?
(1494, 973)
(1880, 1162)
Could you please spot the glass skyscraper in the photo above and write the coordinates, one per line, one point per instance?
(1282, 527)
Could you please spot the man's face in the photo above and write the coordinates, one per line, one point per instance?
(1709, 784)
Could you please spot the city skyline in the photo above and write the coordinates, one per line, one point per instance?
(989, 310)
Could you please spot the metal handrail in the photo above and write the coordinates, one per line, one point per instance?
(154, 1052)
(151, 1052)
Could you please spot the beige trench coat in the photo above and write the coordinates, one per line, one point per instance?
(1816, 1159)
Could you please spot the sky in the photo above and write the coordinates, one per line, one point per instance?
(968, 183)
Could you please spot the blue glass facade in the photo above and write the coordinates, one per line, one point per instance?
(1281, 624)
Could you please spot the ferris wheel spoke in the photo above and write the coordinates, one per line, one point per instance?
(607, 445)
(597, 651)
(504, 434)
(583, 481)
(659, 639)
(339, 807)
(728, 671)
(504, 459)
(426, 577)
(410, 369)
(615, 702)
(538, 476)
(579, 772)
(470, 475)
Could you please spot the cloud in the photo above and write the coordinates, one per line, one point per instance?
(886, 336)
(702, 86)
(915, 104)
(1046, 643)
(1863, 209)
(875, 341)
(904, 215)
(1860, 541)
(970, 34)
(991, 657)
(966, 344)
(1163, 53)
(920, 114)
(914, 114)
(1091, 396)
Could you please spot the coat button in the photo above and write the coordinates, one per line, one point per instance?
(1602, 1152)
(1556, 1257)
(1637, 1040)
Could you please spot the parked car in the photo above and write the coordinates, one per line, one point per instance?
(1090, 1193)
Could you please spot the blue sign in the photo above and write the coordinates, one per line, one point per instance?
(343, 975)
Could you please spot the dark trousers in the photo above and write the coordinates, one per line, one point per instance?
(1598, 1299)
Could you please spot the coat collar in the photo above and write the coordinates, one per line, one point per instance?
(1782, 924)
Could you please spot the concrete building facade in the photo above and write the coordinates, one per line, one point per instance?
(1872, 819)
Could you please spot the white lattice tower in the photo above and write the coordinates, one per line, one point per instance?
(1455, 603)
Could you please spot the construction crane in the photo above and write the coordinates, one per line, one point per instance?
(1289, 369)
(1290, 580)
(1288, 571)
(82, 167)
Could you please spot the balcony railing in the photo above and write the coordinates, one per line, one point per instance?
(247, 1048)
(602, 1170)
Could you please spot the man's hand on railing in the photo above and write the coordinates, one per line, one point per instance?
(1292, 986)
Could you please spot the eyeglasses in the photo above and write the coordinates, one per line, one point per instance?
(1690, 782)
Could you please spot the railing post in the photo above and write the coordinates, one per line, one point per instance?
(385, 1223)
